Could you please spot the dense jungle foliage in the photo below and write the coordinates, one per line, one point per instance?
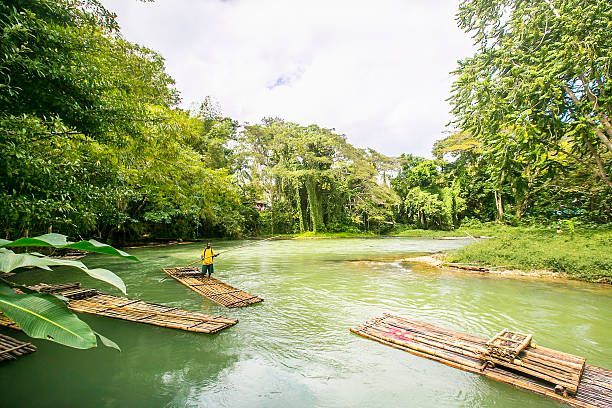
(93, 141)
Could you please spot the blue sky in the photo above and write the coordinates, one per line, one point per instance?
(375, 71)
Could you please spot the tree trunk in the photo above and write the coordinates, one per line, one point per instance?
(603, 139)
(314, 205)
(602, 115)
(499, 205)
(603, 118)
(601, 168)
(521, 206)
(298, 200)
(272, 208)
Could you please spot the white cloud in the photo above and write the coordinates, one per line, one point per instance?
(377, 71)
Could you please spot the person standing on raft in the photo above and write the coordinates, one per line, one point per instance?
(208, 255)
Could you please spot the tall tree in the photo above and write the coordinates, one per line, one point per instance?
(314, 180)
(538, 88)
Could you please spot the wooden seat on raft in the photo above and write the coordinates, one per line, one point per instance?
(515, 351)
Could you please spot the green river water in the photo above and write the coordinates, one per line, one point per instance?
(295, 348)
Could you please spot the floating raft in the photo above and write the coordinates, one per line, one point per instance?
(70, 255)
(6, 322)
(134, 310)
(508, 357)
(11, 349)
(211, 288)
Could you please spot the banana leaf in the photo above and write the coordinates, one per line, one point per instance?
(61, 241)
(108, 342)
(10, 261)
(44, 316)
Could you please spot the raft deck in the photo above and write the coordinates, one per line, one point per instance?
(70, 255)
(473, 354)
(212, 288)
(92, 301)
(11, 349)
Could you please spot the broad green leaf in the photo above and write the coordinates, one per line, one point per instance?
(6, 290)
(44, 316)
(10, 261)
(60, 241)
(108, 342)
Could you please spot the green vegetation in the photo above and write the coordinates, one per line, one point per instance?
(46, 316)
(533, 107)
(311, 179)
(581, 253)
(329, 235)
(93, 141)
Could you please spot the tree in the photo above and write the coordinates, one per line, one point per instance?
(430, 199)
(91, 140)
(537, 92)
(314, 180)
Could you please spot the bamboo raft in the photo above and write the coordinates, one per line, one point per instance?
(11, 349)
(212, 288)
(71, 255)
(508, 357)
(6, 322)
(92, 301)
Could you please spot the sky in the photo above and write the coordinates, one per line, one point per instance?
(376, 71)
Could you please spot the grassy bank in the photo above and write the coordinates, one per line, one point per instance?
(324, 235)
(581, 253)
(408, 233)
(585, 254)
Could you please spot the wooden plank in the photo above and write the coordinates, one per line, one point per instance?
(6, 322)
(11, 349)
(212, 288)
(14, 348)
(463, 351)
(151, 313)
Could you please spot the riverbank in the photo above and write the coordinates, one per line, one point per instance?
(537, 251)
(405, 233)
(582, 254)
(440, 261)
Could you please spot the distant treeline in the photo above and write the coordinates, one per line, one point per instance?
(93, 143)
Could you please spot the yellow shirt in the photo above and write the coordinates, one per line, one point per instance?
(207, 256)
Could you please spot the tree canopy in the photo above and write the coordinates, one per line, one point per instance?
(93, 141)
(536, 98)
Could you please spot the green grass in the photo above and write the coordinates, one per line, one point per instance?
(585, 255)
(422, 233)
(327, 235)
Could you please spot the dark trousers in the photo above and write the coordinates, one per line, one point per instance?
(208, 269)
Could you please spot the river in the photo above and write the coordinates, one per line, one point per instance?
(295, 348)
